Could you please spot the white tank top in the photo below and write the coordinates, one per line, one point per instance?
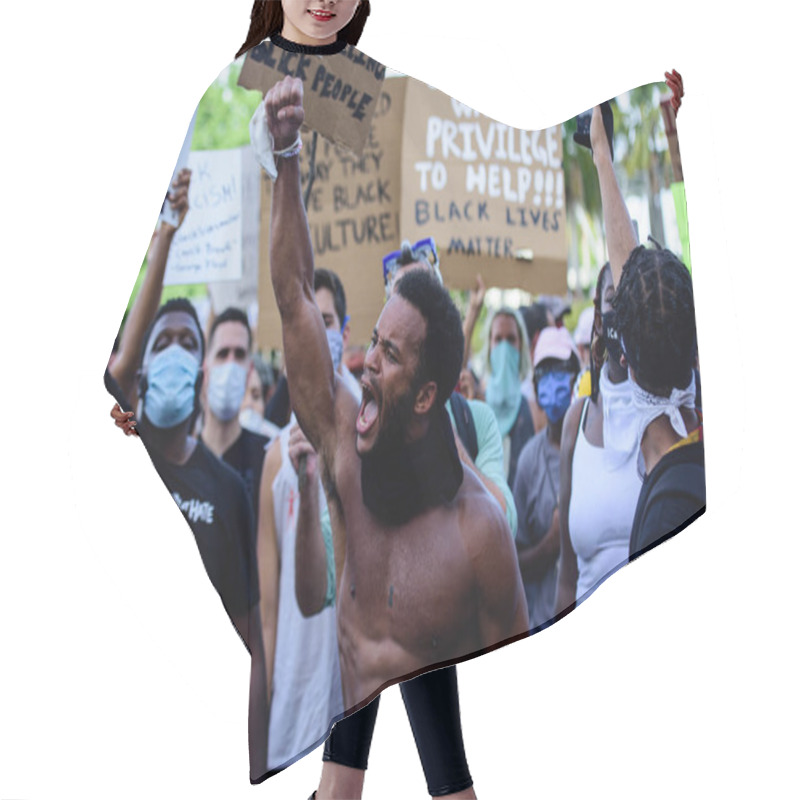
(602, 504)
(307, 687)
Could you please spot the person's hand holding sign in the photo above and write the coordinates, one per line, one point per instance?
(179, 198)
(285, 115)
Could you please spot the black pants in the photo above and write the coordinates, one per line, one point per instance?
(432, 707)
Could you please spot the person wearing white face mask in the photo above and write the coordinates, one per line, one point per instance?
(227, 366)
(654, 315)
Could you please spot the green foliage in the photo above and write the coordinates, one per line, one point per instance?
(223, 115)
(223, 122)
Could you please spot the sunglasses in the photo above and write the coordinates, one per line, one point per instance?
(424, 250)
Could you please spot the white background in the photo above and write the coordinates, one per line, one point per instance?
(120, 675)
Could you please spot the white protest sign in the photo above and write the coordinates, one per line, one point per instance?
(208, 246)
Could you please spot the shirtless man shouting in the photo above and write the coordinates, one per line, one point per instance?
(426, 568)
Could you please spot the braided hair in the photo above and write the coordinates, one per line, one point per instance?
(654, 307)
(266, 19)
(597, 348)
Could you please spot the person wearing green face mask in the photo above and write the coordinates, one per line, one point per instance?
(508, 364)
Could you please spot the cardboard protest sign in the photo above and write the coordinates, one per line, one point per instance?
(208, 246)
(353, 214)
(492, 196)
(243, 293)
(341, 91)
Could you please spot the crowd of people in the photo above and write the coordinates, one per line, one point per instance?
(365, 521)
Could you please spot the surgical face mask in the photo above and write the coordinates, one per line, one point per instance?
(503, 390)
(611, 337)
(335, 345)
(171, 385)
(554, 392)
(227, 384)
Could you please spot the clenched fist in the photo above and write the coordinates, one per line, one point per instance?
(284, 107)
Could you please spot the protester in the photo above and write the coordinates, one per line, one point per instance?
(391, 468)
(260, 388)
(121, 374)
(555, 367)
(508, 364)
(600, 482)
(536, 317)
(431, 700)
(308, 688)
(227, 368)
(654, 308)
(211, 496)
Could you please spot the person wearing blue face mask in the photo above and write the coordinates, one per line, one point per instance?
(211, 496)
(536, 486)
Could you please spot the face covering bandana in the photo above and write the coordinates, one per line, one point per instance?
(226, 387)
(611, 337)
(619, 420)
(649, 407)
(503, 392)
(171, 378)
(335, 345)
(554, 395)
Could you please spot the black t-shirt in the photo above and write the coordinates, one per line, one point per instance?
(246, 456)
(672, 496)
(215, 503)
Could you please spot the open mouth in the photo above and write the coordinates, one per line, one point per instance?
(368, 412)
(321, 16)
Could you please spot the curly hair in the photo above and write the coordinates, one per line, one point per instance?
(654, 307)
(443, 347)
(266, 19)
(597, 350)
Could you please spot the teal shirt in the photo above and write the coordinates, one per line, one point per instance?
(489, 463)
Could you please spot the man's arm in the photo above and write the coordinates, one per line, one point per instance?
(311, 556)
(534, 561)
(476, 297)
(489, 461)
(620, 234)
(309, 368)
(502, 612)
(268, 560)
(145, 306)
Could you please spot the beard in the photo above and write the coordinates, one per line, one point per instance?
(392, 434)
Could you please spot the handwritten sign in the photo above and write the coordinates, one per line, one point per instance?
(243, 293)
(208, 246)
(353, 214)
(341, 91)
(491, 195)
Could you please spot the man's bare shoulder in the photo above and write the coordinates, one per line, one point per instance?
(482, 521)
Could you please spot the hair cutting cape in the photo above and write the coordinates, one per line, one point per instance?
(385, 158)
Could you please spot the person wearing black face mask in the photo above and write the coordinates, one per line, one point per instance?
(536, 485)
(600, 482)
